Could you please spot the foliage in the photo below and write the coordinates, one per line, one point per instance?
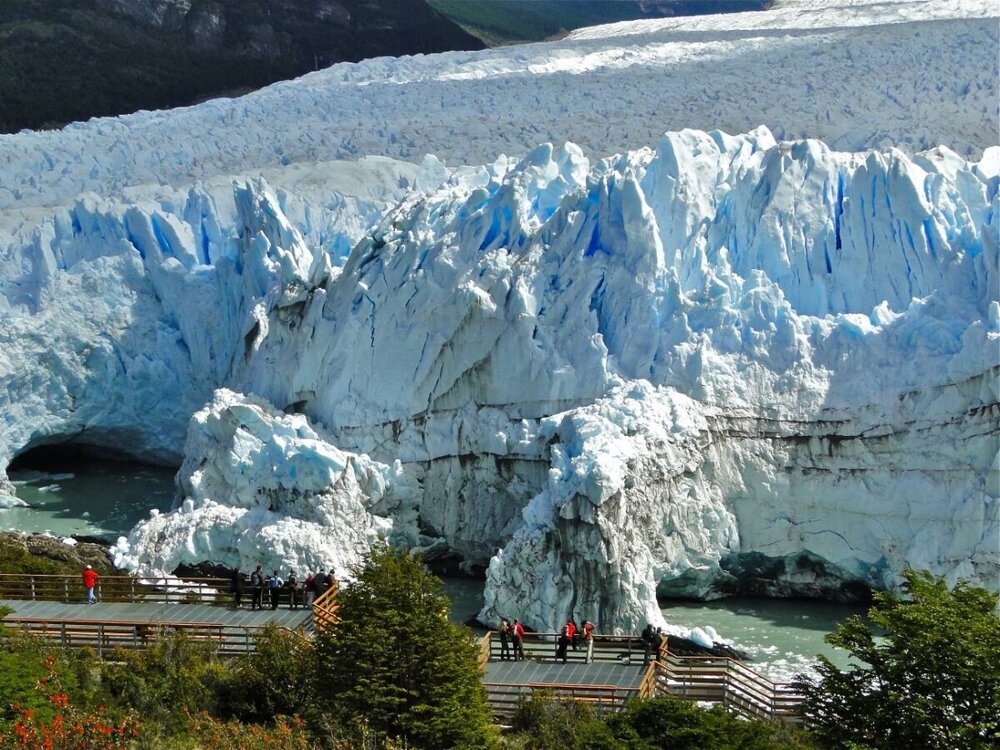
(65, 726)
(173, 674)
(213, 734)
(541, 723)
(681, 725)
(930, 682)
(394, 660)
(272, 680)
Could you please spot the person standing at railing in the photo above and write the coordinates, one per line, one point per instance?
(257, 588)
(649, 642)
(562, 643)
(274, 584)
(517, 631)
(90, 577)
(293, 590)
(571, 631)
(310, 589)
(588, 636)
(504, 631)
(236, 587)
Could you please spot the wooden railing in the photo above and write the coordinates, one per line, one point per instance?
(708, 679)
(626, 649)
(104, 636)
(113, 588)
(505, 696)
(727, 681)
(324, 609)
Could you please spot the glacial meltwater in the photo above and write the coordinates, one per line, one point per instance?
(781, 637)
(86, 497)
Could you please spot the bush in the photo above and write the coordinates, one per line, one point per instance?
(64, 725)
(273, 680)
(174, 674)
(930, 681)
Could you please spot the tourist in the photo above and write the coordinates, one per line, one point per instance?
(571, 632)
(293, 590)
(274, 584)
(322, 583)
(236, 587)
(648, 639)
(517, 634)
(257, 589)
(90, 577)
(588, 636)
(504, 639)
(562, 643)
(310, 589)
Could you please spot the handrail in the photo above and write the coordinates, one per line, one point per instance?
(107, 635)
(725, 680)
(485, 647)
(324, 609)
(117, 588)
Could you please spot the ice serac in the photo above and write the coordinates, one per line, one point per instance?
(262, 487)
(119, 317)
(814, 330)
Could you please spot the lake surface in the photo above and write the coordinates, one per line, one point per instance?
(88, 497)
(105, 499)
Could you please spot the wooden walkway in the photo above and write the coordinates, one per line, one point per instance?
(618, 674)
(155, 613)
(133, 613)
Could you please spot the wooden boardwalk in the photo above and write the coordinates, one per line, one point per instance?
(164, 613)
(619, 672)
(134, 613)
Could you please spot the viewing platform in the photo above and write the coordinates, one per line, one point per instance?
(132, 613)
(618, 673)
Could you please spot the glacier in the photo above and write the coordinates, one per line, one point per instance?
(706, 364)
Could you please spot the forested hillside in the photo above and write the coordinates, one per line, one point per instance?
(66, 60)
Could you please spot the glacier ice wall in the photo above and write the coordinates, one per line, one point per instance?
(119, 317)
(832, 318)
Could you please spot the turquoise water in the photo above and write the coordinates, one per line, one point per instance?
(88, 498)
(781, 636)
(105, 498)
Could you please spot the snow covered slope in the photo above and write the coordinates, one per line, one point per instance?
(709, 363)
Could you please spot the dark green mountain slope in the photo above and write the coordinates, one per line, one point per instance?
(65, 60)
(502, 21)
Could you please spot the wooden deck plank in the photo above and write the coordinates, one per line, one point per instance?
(552, 672)
(155, 613)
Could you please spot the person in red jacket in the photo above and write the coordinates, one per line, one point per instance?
(517, 633)
(90, 577)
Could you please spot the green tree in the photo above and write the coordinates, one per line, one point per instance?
(927, 674)
(395, 664)
(272, 680)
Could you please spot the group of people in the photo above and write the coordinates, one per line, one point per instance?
(269, 590)
(569, 635)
